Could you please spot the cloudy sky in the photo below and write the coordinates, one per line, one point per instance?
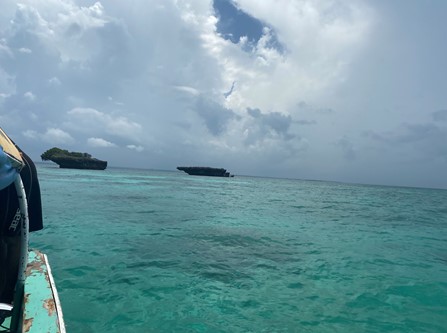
(338, 90)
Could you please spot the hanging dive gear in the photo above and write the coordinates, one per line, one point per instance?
(11, 163)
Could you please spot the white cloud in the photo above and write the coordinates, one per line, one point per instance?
(52, 136)
(29, 96)
(7, 84)
(86, 112)
(30, 134)
(110, 98)
(57, 136)
(188, 90)
(4, 48)
(98, 142)
(136, 148)
(320, 39)
(54, 81)
(25, 50)
(89, 119)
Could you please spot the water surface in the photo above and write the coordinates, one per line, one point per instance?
(153, 251)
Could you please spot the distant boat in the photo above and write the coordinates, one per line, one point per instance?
(205, 171)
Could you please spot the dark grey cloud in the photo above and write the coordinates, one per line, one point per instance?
(418, 132)
(305, 122)
(267, 125)
(420, 141)
(429, 139)
(347, 147)
(276, 121)
(215, 116)
(440, 115)
(406, 133)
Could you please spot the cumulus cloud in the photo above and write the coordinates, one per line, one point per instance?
(25, 50)
(188, 84)
(190, 87)
(31, 134)
(189, 90)
(54, 81)
(29, 96)
(53, 136)
(320, 40)
(99, 142)
(56, 136)
(89, 119)
(136, 148)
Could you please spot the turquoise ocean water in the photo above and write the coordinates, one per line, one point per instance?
(153, 251)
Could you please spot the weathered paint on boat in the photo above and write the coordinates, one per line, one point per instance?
(42, 310)
(41, 306)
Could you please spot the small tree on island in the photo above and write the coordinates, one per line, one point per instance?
(50, 153)
(57, 152)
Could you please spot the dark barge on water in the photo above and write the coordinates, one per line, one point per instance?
(205, 171)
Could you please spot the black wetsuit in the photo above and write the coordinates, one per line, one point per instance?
(10, 226)
(9, 204)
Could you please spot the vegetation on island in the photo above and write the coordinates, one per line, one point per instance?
(57, 152)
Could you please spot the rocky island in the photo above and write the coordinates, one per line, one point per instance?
(73, 160)
(205, 171)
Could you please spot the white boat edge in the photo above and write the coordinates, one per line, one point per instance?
(55, 296)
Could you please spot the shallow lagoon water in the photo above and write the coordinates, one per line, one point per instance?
(157, 251)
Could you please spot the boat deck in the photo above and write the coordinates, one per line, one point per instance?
(42, 310)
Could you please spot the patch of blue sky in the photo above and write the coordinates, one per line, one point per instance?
(234, 24)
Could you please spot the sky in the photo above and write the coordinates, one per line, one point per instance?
(340, 90)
